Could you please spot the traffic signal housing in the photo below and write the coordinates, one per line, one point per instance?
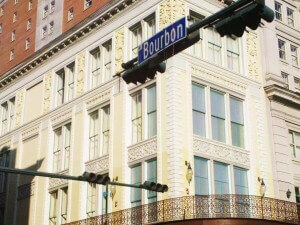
(95, 178)
(152, 186)
(249, 16)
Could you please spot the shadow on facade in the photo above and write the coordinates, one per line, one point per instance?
(16, 198)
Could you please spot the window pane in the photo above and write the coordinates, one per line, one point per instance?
(241, 181)
(218, 129)
(136, 118)
(198, 94)
(199, 123)
(221, 178)
(53, 208)
(105, 130)
(217, 104)
(94, 135)
(91, 199)
(201, 176)
(64, 205)
(237, 133)
(152, 176)
(136, 178)
(151, 110)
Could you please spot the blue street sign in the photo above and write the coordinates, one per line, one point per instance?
(163, 39)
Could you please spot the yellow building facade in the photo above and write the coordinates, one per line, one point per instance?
(65, 112)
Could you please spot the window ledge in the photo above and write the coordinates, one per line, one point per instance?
(220, 151)
(55, 182)
(143, 149)
(98, 165)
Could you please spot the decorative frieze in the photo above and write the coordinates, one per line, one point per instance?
(55, 182)
(98, 99)
(61, 117)
(26, 190)
(170, 11)
(217, 78)
(80, 73)
(142, 150)
(252, 52)
(119, 50)
(220, 151)
(47, 91)
(98, 165)
(30, 132)
(20, 97)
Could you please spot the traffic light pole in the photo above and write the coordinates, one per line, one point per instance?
(60, 176)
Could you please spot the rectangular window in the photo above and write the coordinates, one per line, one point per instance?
(62, 145)
(136, 178)
(297, 83)
(290, 17)
(221, 178)
(53, 208)
(233, 54)
(294, 54)
(99, 132)
(295, 144)
(7, 116)
(151, 111)
(199, 111)
(28, 24)
(136, 119)
(4, 162)
(29, 5)
(51, 27)
(150, 26)
(217, 116)
(214, 47)
(278, 13)
(2, 11)
(201, 176)
(91, 199)
(44, 32)
(60, 90)
(197, 49)
(104, 198)
(87, 3)
(297, 193)
(136, 39)
(152, 176)
(27, 43)
(281, 46)
(237, 122)
(107, 61)
(64, 205)
(70, 14)
(241, 181)
(52, 6)
(12, 55)
(0, 28)
(45, 11)
(70, 69)
(96, 67)
(285, 78)
(13, 35)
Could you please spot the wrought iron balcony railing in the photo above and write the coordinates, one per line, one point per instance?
(201, 207)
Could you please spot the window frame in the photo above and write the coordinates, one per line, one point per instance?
(28, 24)
(56, 213)
(70, 14)
(294, 55)
(10, 118)
(282, 49)
(27, 43)
(293, 143)
(278, 11)
(290, 17)
(87, 4)
(30, 5)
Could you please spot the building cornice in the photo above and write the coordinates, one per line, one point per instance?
(280, 94)
(80, 30)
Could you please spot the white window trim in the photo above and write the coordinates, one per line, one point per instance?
(10, 125)
(59, 204)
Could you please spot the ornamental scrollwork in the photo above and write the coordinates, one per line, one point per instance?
(80, 73)
(252, 50)
(98, 165)
(170, 11)
(20, 97)
(119, 50)
(141, 150)
(47, 91)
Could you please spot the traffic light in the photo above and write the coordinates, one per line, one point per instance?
(152, 186)
(249, 16)
(95, 178)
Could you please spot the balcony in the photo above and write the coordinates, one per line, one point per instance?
(188, 210)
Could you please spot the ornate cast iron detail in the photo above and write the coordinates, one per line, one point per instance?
(201, 207)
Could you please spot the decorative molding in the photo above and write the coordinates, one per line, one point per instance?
(119, 50)
(20, 96)
(61, 117)
(98, 99)
(30, 132)
(98, 165)
(5, 143)
(47, 91)
(216, 78)
(220, 151)
(2, 198)
(55, 182)
(80, 59)
(26, 190)
(142, 150)
(252, 52)
(170, 11)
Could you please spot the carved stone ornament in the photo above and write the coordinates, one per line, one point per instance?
(30, 132)
(47, 91)
(119, 50)
(220, 151)
(80, 73)
(26, 190)
(98, 99)
(61, 117)
(252, 52)
(98, 165)
(142, 149)
(215, 78)
(55, 182)
(19, 106)
(5, 143)
(170, 11)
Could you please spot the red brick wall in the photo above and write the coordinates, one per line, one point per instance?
(79, 12)
(21, 33)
